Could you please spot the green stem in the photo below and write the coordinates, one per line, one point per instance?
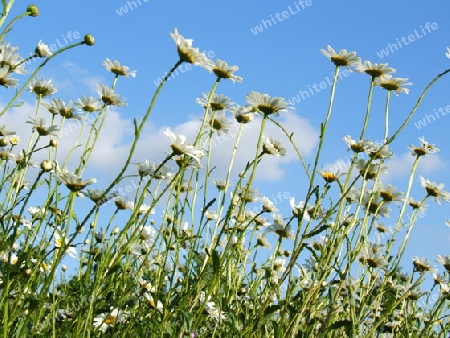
(386, 116)
(369, 105)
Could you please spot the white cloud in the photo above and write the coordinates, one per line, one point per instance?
(399, 166)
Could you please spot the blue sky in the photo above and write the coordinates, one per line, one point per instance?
(280, 60)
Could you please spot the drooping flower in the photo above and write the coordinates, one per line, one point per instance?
(265, 104)
(343, 58)
(180, 147)
(375, 69)
(187, 53)
(223, 71)
(116, 68)
(262, 241)
(397, 85)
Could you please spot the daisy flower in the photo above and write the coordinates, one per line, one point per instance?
(262, 241)
(223, 71)
(105, 320)
(343, 58)
(71, 250)
(108, 96)
(58, 106)
(445, 261)
(435, 190)
(243, 114)
(375, 69)
(5, 79)
(423, 265)
(273, 147)
(424, 149)
(42, 88)
(73, 182)
(355, 146)
(265, 104)
(280, 227)
(42, 50)
(218, 122)
(89, 104)
(180, 147)
(397, 85)
(39, 126)
(117, 69)
(216, 102)
(187, 53)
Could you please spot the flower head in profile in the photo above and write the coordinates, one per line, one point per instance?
(375, 70)
(265, 104)
(223, 71)
(180, 147)
(425, 148)
(108, 96)
(42, 50)
(330, 176)
(216, 102)
(243, 114)
(42, 88)
(5, 79)
(356, 146)
(343, 58)
(445, 261)
(273, 147)
(390, 194)
(10, 58)
(187, 53)
(395, 84)
(89, 104)
(218, 122)
(106, 320)
(71, 250)
(372, 257)
(39, 125)
(423, 265)
(58, 106)
(280, 227)
(434, 190)
(73, 182)
(117, 69)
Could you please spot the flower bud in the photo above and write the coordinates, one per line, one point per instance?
(32, 10)
(53, 143)
(46, 166)
(89, 40)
